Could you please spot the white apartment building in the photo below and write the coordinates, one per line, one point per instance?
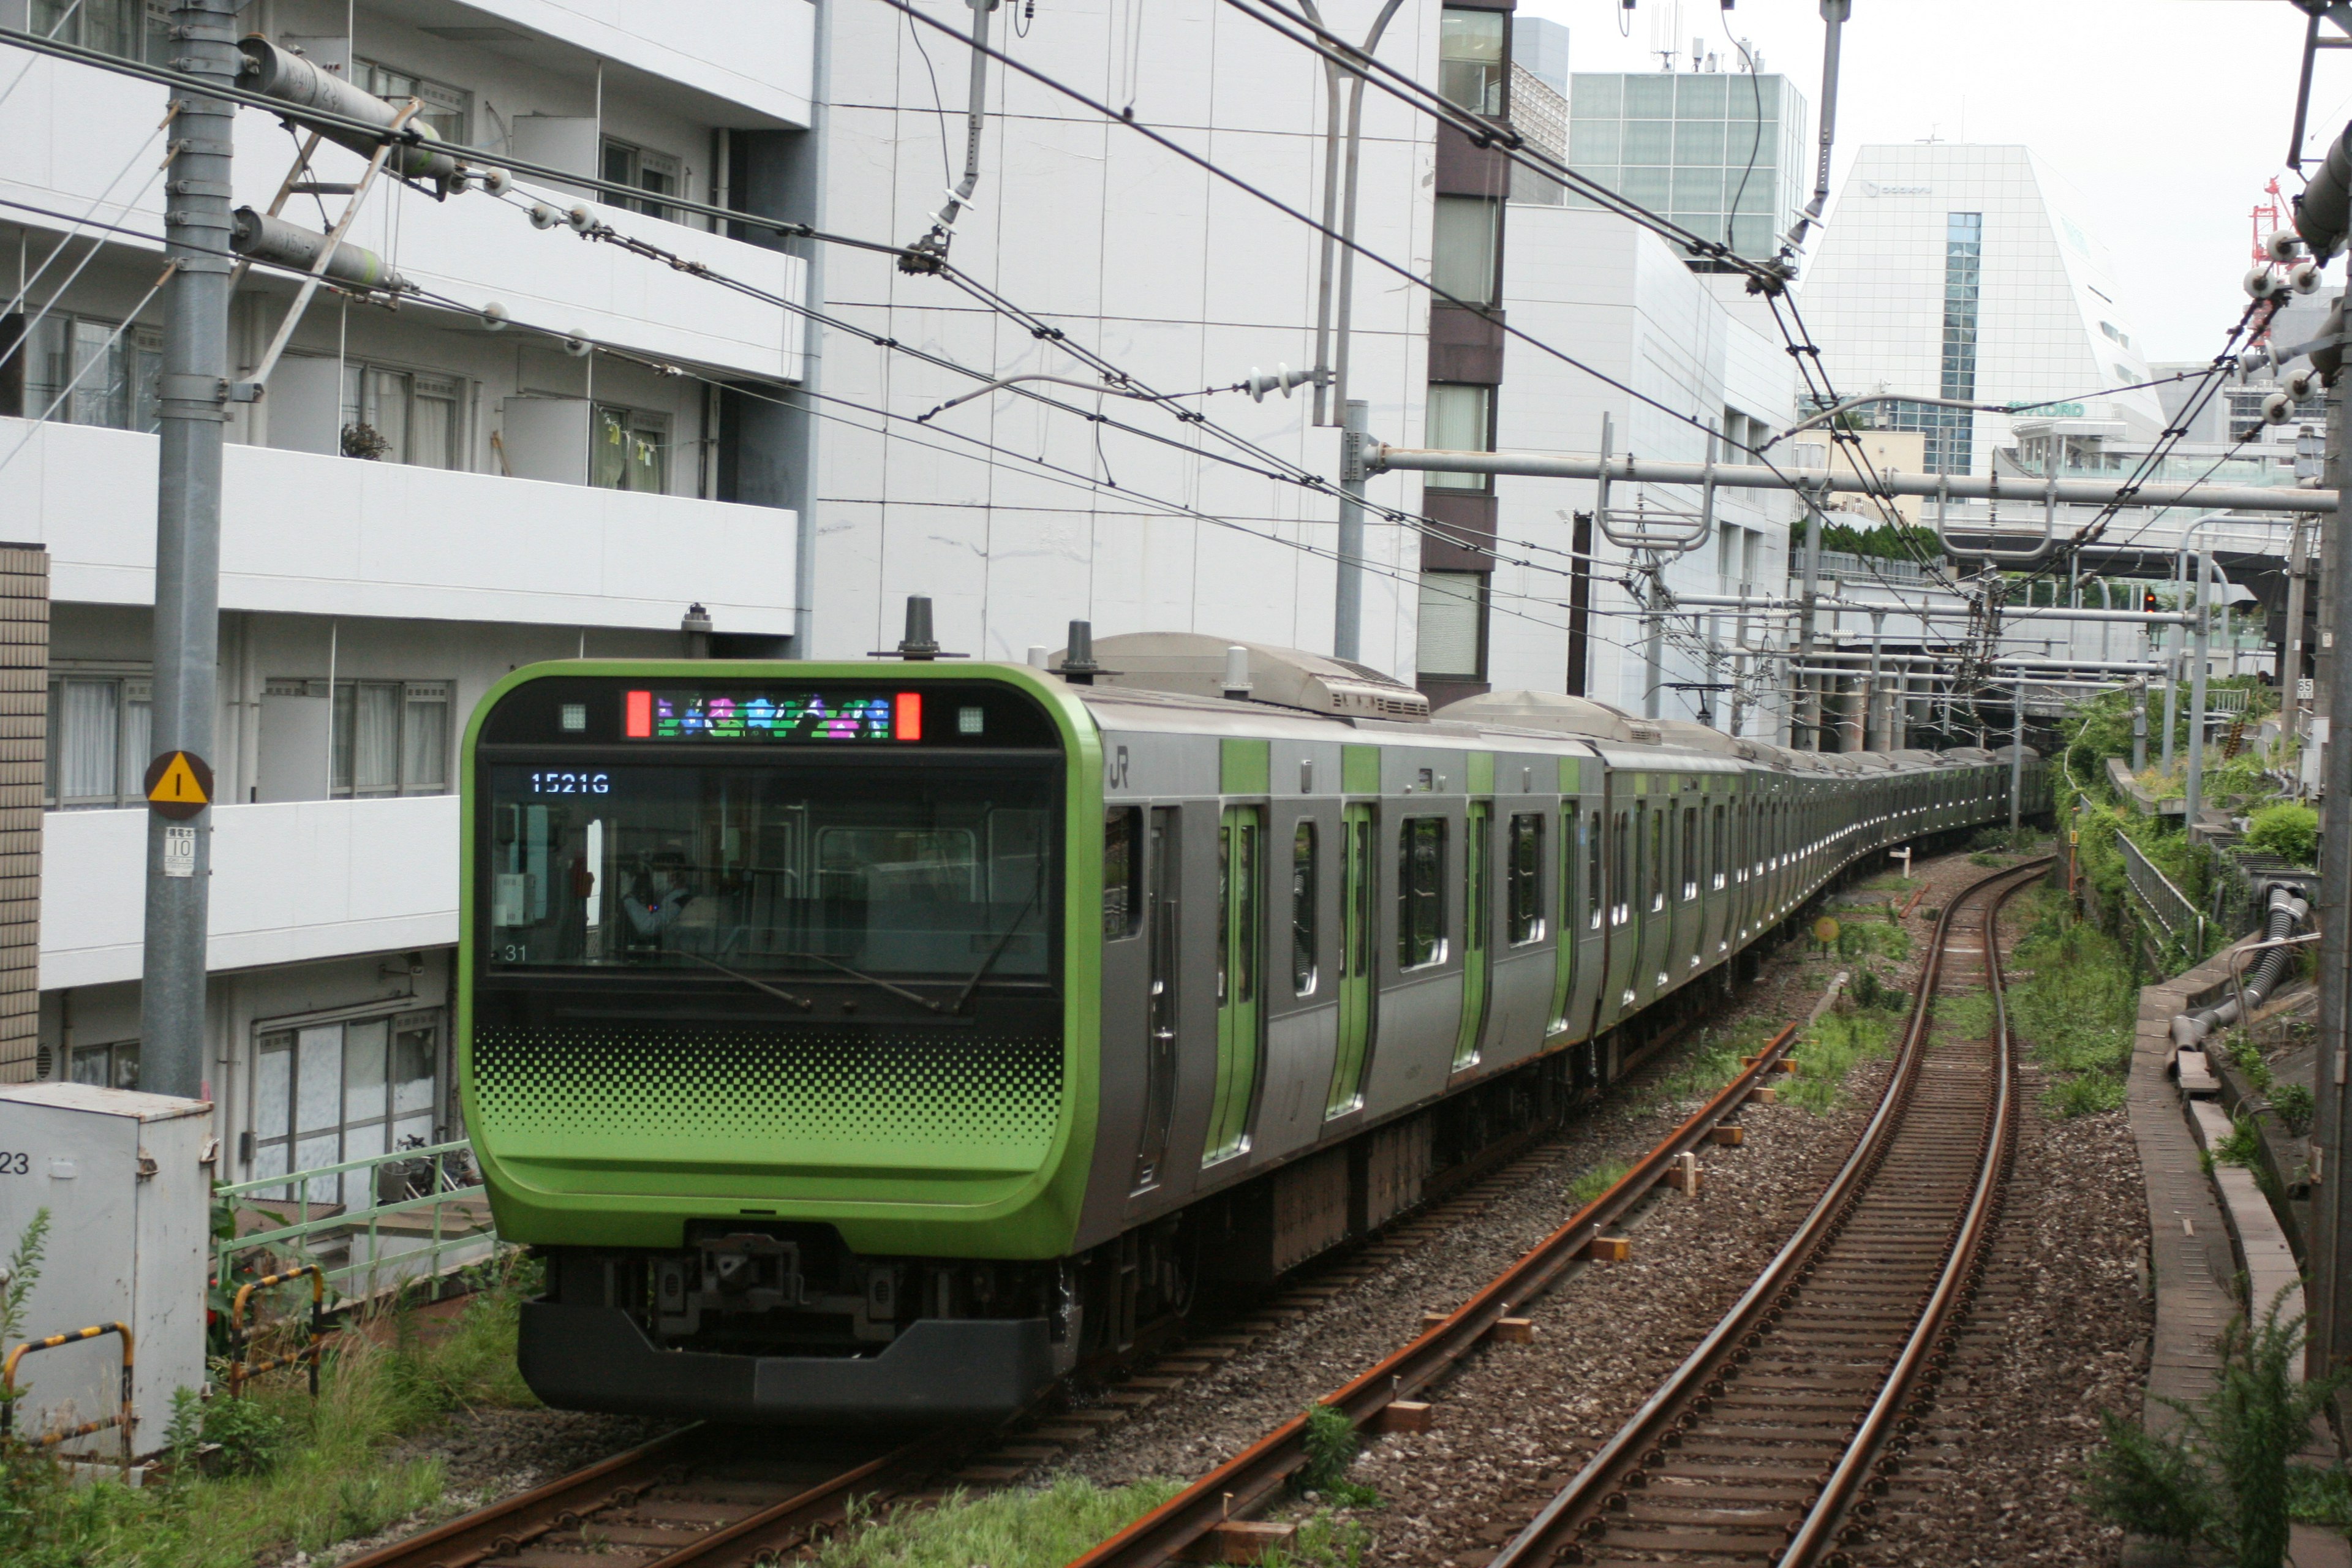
(1623, 301)
(1948, 270)
(557, 446)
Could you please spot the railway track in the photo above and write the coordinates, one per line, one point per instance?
(699, 1497)
(1770, 1442)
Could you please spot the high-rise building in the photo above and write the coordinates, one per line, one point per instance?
(1949, 271)
(1723, 153)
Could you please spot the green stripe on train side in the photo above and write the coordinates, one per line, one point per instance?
(1245, 767)
(877, 1205)
(1359, 770)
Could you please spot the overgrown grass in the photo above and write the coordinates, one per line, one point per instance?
(1039, 1528)
(1713, 1063)
(1597, 1181)
(312, 1474)
(1828, 1051)
(2075, 1009)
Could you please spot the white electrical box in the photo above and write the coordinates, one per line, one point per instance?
(127, 1180)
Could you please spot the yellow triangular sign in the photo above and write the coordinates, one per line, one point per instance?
(178, 784)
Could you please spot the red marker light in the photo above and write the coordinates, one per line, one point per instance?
(637, 716)
(906, 717)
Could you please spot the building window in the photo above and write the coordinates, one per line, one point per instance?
(94, 370)
(659, 172)
(401, 416)
(1461, 418)
(113, 1066)
(391, 737)
(447, 110)
(1463, 263)
(1470, 55)
(1719, 152)
(1451, 628)
(98, 729)
(132, 29)
(1421, 892)
(632, 450)
(326, 1093)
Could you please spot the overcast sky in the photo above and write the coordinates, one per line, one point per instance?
(2170, 115)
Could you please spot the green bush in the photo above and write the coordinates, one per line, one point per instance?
(247, 1436)
(2073, 1005)
(2222, 1479)
(2288, 830)
(2294, 1106)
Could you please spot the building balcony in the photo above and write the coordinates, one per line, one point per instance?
(75, 134)
(291, 883)
(306, 534)
(753, 55)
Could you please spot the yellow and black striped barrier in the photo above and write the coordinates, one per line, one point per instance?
(121, 1418)
(240, 1370)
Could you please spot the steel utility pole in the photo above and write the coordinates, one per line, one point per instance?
(193, 410)
(1348, 605)
(2016, 754)
(2200, 660)
(2329, 1342)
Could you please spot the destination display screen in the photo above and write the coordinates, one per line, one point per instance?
(785, 716)
(738, 713)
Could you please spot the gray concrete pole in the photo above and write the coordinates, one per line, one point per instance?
(2172, 695)
(2139, 728)
(2329, 1341)
(1805, 727)
(2016, 754)
(1874, 731)
(2290, 664)
(187, 541)
(1348, 605)
(1654, 644)
(2200, 657)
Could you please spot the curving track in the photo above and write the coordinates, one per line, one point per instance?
(1782, 1426)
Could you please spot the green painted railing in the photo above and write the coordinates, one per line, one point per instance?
(379, 1256)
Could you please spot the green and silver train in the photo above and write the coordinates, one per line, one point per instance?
(871, 1041)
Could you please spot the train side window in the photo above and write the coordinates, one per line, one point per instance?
(1592, 872)
(1123, 878)
(1303, 943)
(1421, 892)
(1654, 847)
(1524, 876)
(1621, 881)
(1690, 852)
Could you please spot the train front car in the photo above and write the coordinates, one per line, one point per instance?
(771, 1034)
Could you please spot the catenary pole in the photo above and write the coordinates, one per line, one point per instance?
(192, 412)
(2200, 659)
(1348, 603)
(2329, 1341)
(2016, 755)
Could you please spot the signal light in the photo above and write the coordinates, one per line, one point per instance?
(2147, 600)
(906, 717)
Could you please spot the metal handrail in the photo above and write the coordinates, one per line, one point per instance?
(122, 1417)
(2157, 892)
(357, 1220)
(240, 1371)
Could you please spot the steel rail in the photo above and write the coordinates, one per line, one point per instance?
(1624, 1461)
(1252, 1476)
(1866, 1461)
(762, 1535)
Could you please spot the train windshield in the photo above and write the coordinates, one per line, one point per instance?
(934, 872)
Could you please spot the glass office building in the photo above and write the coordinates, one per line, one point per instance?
(1723, 153)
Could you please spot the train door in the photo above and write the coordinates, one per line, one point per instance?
(1356, 925)
(1477, 949)
(1240, 900)
(1568, 922)
(1160, 861)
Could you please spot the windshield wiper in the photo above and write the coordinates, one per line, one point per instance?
(972, 984)
(874, 980)
(802, 1003)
